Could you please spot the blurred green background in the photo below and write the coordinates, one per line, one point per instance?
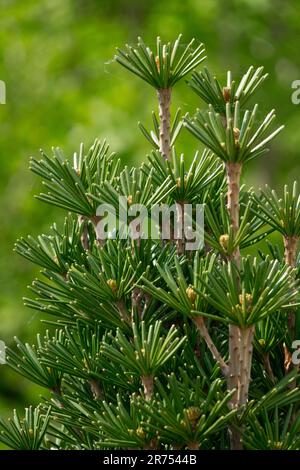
(62, 88)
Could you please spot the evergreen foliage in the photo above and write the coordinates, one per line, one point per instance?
(152, 346)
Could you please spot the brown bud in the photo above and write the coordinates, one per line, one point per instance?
(278, 445)
(130, 199)
(193, 414)
(140, 432)
(226, 93)
(112, 284)
(223, 240)
(248, 298)
(191, 294)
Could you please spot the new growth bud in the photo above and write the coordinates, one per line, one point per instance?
(191, 294)
(193, 414)
(112, 284)
(226, 93)
(223, 240)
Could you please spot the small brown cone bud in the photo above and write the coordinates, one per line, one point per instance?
(191, 294)
(130, 200)
(193, 414)
(112, 284)
(226, 93)
(224, 240)
(140, 432)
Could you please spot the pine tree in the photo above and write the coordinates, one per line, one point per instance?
(151, 345)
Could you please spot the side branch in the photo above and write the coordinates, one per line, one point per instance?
(201, 327)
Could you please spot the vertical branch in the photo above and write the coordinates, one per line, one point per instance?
(99, 234)
(164, 102)
(246, 335)
(290, 255)
(84, 236)
(290, 250)
(240, 340)
(233, 206)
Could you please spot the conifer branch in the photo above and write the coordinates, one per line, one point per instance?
(200, 324)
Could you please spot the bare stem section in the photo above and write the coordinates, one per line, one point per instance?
(246, 353)
(98, 230)
(290, 250)
(233, 206)
(193, 446)
(84, 236)
(148, 384)
(200, 324)
(233, 379)
(240, 339)
(290, 255)
(240, 361)
(123, 311)
(96, 389)
(164, 102)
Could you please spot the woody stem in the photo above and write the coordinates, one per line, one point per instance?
(164, 102)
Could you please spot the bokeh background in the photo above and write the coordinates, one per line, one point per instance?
(56, 57)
